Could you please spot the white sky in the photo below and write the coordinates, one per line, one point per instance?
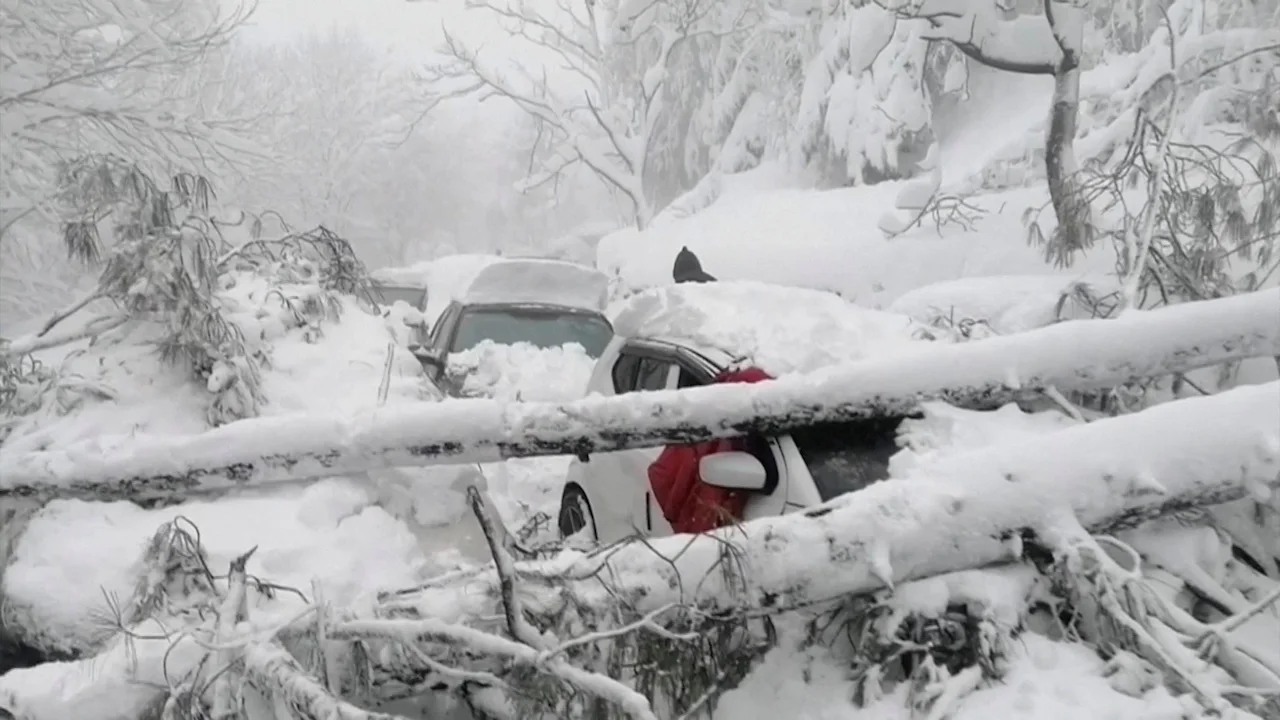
(410, 29)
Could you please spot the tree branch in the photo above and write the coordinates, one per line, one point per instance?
(1077, 355)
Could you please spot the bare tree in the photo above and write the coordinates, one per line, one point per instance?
(96, 76)
(599, 86)
(1048, 44)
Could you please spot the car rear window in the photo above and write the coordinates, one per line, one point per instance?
(846, 456)
(540, 328)
(388, 295)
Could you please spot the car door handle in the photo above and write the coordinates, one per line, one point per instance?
(648, 512)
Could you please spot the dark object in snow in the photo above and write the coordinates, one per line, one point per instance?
(689, 269)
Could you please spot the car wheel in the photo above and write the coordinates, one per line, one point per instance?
(576, 514)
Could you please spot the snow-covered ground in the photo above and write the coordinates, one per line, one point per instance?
(355, 535)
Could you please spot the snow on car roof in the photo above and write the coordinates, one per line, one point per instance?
(779, 329)
(552, 282)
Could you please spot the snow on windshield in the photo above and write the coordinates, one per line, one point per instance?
(543, 328)
(779, 329)
(540, 281)
(522, 371)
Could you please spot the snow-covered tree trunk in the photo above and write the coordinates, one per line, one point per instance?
(965, 511)
(1078, 355)
(962, 512)
(1048, 44)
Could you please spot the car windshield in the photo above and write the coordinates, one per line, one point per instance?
(390, 294)
(544, 328)
(846, 456)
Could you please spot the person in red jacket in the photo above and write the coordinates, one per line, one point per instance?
(690, 505)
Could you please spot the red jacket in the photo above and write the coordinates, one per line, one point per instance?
(688, 504)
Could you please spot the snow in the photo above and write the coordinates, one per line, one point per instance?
(828, 240)
(523, 488)
(1078, 355)
(943, 429)
(446, 278)
(74, 554)
(781, 330)
(345, 354)
(1006, 303)
(522, 371)
(552, 282)
(1046, 680)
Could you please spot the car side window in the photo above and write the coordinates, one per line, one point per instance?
(652, 374)
(688, 379)
(624, 373)
(445, 318)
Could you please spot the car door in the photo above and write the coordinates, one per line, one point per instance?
(622, 503)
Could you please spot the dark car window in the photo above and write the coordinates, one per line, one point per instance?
(846, 456)
(387, 295)
(442, 322)
(541, 328)
(624, 373)
(688, 379)
(652, 374)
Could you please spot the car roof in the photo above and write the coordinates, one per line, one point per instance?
(781, 330)
(541, 282)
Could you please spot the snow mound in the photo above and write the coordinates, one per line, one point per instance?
(75, 554)
(781, 330)
(1006, 303)
(135, 392)
(523, 371)
(530, 280)
(943, 430)
(446, 278)
(828, 240)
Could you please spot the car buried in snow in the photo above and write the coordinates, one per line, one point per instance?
(686, 335)
(539, 302)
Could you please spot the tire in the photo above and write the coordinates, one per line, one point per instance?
(576, 513)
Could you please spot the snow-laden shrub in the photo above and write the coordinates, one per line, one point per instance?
(166, 268)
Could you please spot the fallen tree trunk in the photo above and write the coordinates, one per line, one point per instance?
(1077, 355)
(966, 511)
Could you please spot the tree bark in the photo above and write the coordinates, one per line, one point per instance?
(1078, 355)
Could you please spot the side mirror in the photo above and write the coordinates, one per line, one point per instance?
(734, 470)
(430, 359)
(414, 318)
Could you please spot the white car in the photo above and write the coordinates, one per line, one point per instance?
(683, 336)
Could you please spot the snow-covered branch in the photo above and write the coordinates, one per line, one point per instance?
(1078, 355)
(965, 511)
(95, 76)
(1023, 44)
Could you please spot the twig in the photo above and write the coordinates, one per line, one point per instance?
(230, 613)
(385, 386)
(1146, 230)
(328, 659)
(68, 312)
(534, 649)
(33, 343)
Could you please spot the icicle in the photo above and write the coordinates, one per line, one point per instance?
(881, 567)
(1011, 379)
(1144, 483)
(1014, 543)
